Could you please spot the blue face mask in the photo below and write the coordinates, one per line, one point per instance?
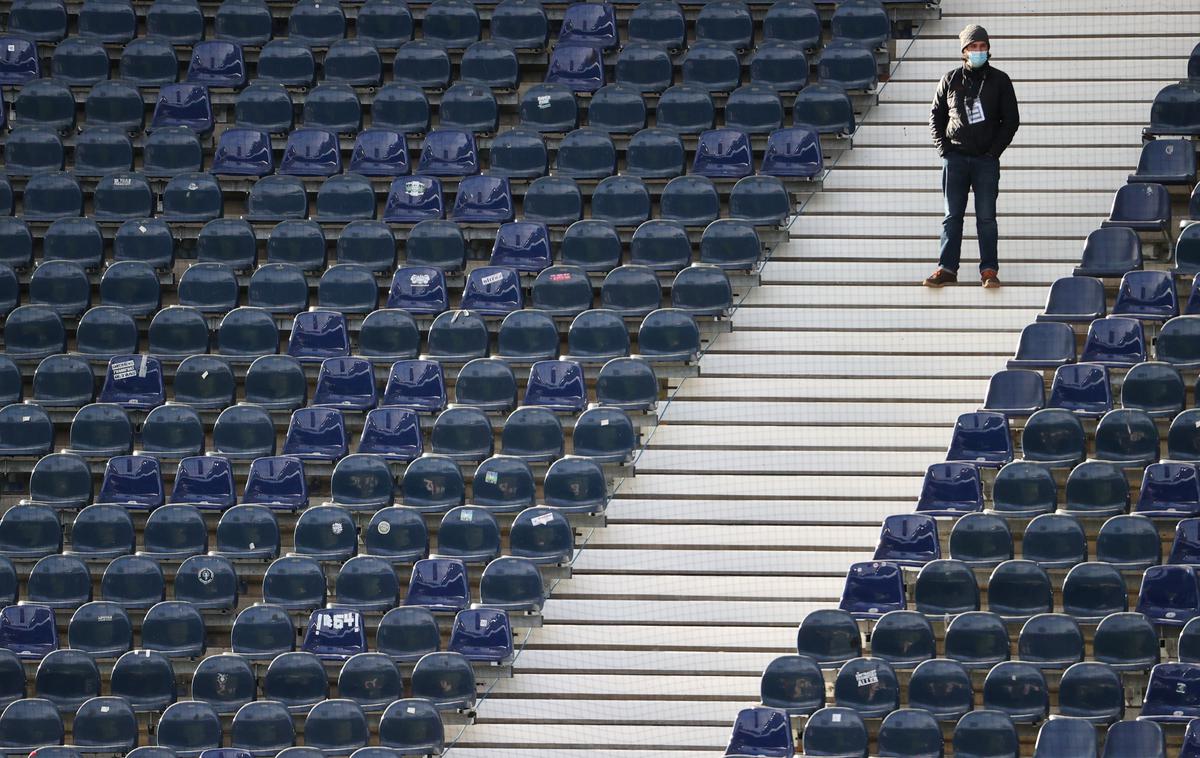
(977, 59)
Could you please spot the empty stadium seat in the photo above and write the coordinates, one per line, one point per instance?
(396, 534)
(1110, 251)
(262, 728)
(908, 539)
(1050, 641)
(133, 581)
(1167, 697)
(294, 583)
(367, 583)
(247, 532)
(1015, 392)
(780, 65)
(1083, 389)
(1054, 540)
(439, 584)
(276, 382)
(985, 733)
(832, 731)
(1135, 738)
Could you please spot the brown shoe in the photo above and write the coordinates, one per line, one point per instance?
(940, 278)
(989, 279)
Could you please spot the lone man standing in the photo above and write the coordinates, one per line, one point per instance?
(973, 119)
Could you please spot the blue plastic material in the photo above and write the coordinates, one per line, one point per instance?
(761, 731)
(981, 438)
(873, 589)
(413, 199)
(579, 67)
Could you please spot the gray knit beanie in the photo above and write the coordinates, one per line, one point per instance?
(973, 33)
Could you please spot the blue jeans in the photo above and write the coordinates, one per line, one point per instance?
(962, 173)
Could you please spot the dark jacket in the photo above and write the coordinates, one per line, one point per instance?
(948, 115)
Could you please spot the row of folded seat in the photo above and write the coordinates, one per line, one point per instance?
(692, 200)
(326, 532)
(915, 733)
(592, 244)
(270, 107)
(260, 728)
(34, 332)
(358, 483)
(1116, 342)
(208, 384)
(586, 153)
(147, 62)
(320, 435)
(366, 583)
(365, 249)
(453, 24)
(702, 289)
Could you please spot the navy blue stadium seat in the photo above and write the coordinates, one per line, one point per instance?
(512, 583)
(311, 152)
(103, 530)
(262, 728)
(1166, 161)
(133, 582)
(1141, 208)
(46, 103)
(1023, 488)
(296, 679)
(367, 583)
(353, 61)
(702, 289)
(981, 540)
(416, 384)
(276, 382)
(412, 725)
(1169, 595)
(317, 335)
(30, 531)
(421, 63)
(396, 534)
(793, 684)
(294, 583)
(1050, 641)
(533, 434)
(263, 105)
(102, 150)
(247, 333)
(332, 107)
(754, 109)
(945, 587)
(189, 727)
(692, 200)
(25, 430)
(388, 335)
(848, 64)
(317, 434)
(764, 731)
(910, 733)
(217, 63)
(448, 152)
(621, 201)
(145, 62)
(407, 633)
(986, 733)
(1127, 436)
(1135, 738)
(793, 152)
(470, 107)
(1110, 251)
(74, 240)
(175, 531)
(439, 584)
(668, 334)
(379, 152)
(183, 105)
(33, 149)
(30, 723)
(1093, 591)
(762, 200)
(1054, 541)
(225, 682)
(780, 66)
(686, 109)
(553, 200)
(1168, 694)
(275, 198)
(831, 731)
(711, 66)
(247, 532)
(192, 197)
(862, 21)
(243, 432)
(458, 336)
(414, 199)
(579, 67)
(1147, 295)
(101, 430)
(446, 679)
(908, 539)
(244, 152)
(1015, 392)
(371, 680)
(1069, 738)
(20, 62)
(1129, 541)
(596, 336)
(981, 438)
(1177, 342)
(1082, 388)
(873, 589)
(1077, 299)
(175, 629)
(723, 153)
(1053, 437)
(941, 687)
(1169, 490)
(464, 434)
(726, 22)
